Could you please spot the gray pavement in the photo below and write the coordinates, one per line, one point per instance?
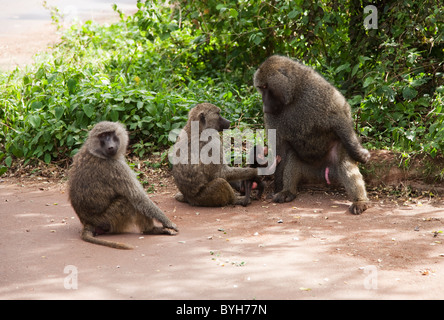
(26, 27)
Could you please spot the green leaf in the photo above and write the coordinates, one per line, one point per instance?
(293, 14)
(409, 93)
(151, 108)
(89, 110)
(355, 69)
(72, 83)
(35, 121)
(36, 105)
(367, 82)
(345, 66)
(59, 112)
(47, 158)
(114, 114)
(8, 161)
(233, 13)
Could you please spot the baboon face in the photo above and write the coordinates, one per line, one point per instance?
(215, 121)
(109, 144)
(209, 117)
(273, 80)
(273, 96)
(271, 102)
(107, 140)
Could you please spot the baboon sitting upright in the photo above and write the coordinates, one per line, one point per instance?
(105, 192)
(205, 182)
(314, 130)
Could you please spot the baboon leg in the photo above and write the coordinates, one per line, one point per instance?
(260, 189)
(119, 215)
(291, 175)
(351, 178)
(113, 220)
(248, 185)
(217, 193)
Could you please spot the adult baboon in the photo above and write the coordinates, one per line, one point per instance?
(105, 192)
(201, 175)
(314, 130)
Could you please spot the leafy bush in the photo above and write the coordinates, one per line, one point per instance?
(393, 75)
(150, 68)
(101, 73)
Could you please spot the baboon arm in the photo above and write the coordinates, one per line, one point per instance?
(237, 173)
(351, 143)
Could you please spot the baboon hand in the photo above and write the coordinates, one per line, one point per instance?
(364, 155)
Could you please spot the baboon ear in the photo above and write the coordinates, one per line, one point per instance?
(202, 120)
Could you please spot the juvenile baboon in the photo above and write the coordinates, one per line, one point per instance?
(256, 159)
(105, 192)
(201, 181)
(314, 130)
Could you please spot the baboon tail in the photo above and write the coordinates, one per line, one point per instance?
(88, 236)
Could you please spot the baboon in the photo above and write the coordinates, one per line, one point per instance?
(314, 130)
(246, 186)
(201, 181)
(105, 192)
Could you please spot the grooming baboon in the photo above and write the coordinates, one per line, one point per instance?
(105, 192)
(201, 181)
(314, 130)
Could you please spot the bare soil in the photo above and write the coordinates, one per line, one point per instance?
(310, 248)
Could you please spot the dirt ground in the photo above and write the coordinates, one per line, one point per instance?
(310, 248)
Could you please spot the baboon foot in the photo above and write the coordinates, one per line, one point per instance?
(283, 196)
(358, 207)
(180, 197)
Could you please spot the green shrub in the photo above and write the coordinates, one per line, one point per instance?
(150, 68)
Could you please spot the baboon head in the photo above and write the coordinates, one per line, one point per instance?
(108, 140)
(209, 117)
(274, 80)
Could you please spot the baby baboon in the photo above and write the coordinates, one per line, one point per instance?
(201, 175)
(246, 186)
(314, 130)
(105, 192)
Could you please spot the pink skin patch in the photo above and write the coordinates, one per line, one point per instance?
(326, 175)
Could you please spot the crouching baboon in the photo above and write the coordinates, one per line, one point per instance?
(105, 192)
(199, 171)
(314, 130)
